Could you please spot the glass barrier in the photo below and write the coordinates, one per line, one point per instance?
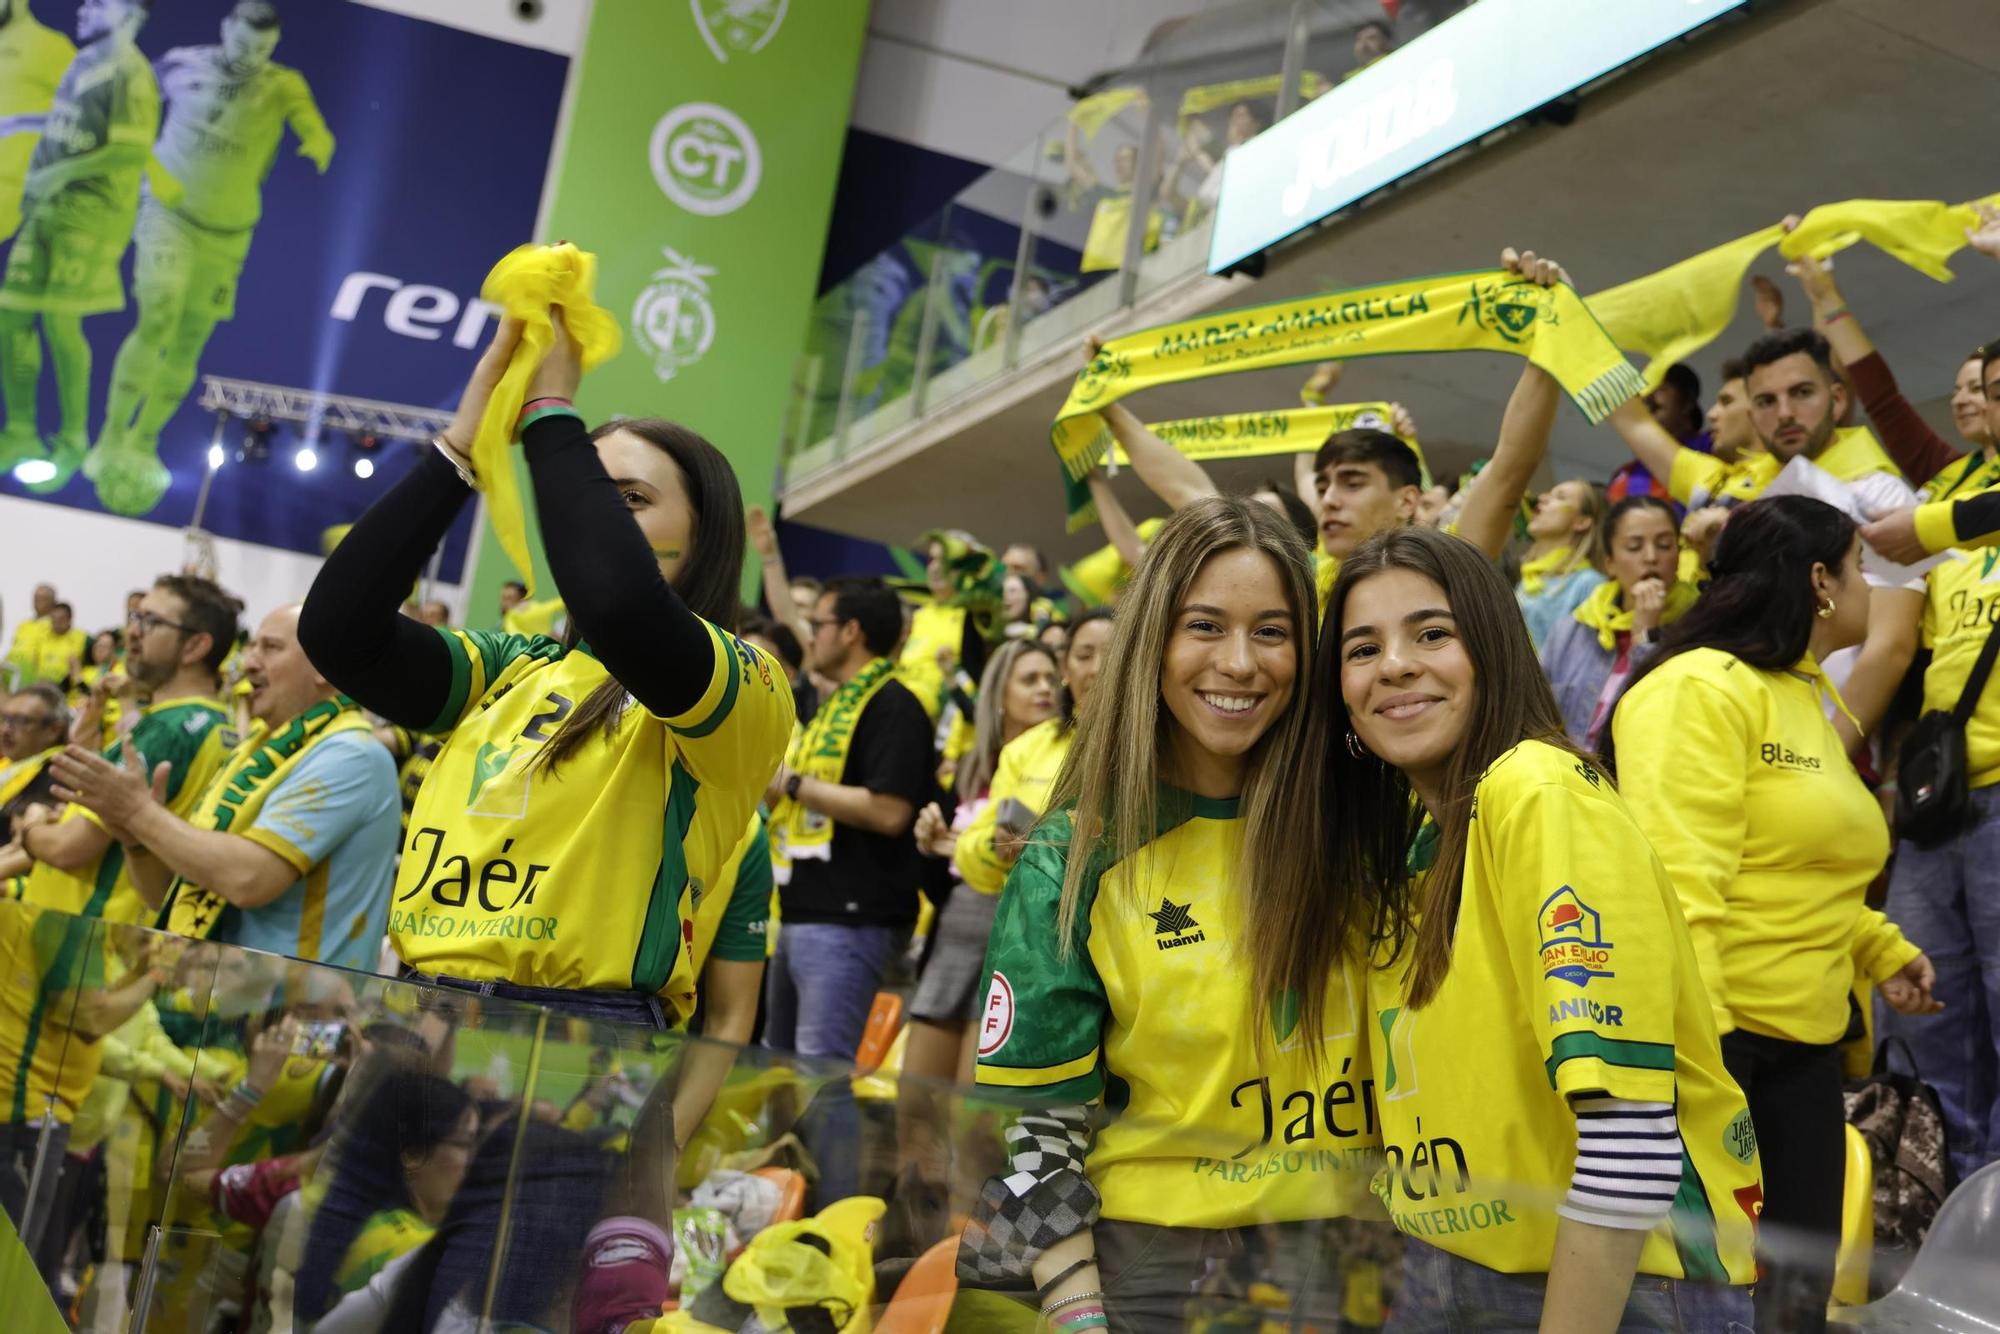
(218, 1139)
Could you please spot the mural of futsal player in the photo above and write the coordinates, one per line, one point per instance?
(227, 109)
(32, 61)
(77, 208)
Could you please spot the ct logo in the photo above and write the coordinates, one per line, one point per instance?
(705, 159)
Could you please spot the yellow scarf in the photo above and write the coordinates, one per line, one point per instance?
(1491, 311)
(524, 285)
(1670, 315)
(1601, 612)
(1853, 453)
(237, 793)
(820, 752)
(1249, 435)
(1535, 571)
(15, 777)
(1973, 473)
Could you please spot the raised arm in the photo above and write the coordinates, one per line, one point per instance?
(1167, 473)
(352, 627)
(777, 583)
(1116, 522)
(1487, 518)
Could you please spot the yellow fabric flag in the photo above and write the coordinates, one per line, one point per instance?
(1093, 113)
(1491, 311)
(1923, 233)
(524, 285)
(1210, 96)
(1674, 313)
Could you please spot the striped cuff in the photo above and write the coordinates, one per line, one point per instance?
(1628, 1163)
(550, 408)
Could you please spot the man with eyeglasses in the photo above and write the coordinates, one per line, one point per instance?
(174, 645)
(32, 726)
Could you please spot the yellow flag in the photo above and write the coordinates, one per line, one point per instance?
(1491, 311)
(1923, 233)
(1093, 113)
(524, 285)
(1674, 313)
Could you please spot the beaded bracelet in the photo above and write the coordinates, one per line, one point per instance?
(1072, 1300)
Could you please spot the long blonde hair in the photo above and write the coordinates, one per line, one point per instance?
(1110, 780)
(989, 716)
(1591, 548)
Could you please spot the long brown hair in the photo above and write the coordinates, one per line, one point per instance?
(1367, 816)
(708, 582)
(1111, 776)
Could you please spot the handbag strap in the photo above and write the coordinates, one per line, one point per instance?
(1968, 699)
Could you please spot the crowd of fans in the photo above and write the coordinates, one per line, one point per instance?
(1380, 748)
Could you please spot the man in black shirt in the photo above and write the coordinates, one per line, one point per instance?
(846, 905)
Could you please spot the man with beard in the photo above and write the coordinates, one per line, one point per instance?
(292, 847)
(173, 648)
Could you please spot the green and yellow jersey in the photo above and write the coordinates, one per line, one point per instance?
(222, 132)
(1962, 609)
(1571, 974)
(588, 878)
(193, 737)
(107, 96)
(48, 958)
(732, 921)
(1028, 765)
(32, 60)
(384, 1237)
(1770, 837)
(1209, 1128)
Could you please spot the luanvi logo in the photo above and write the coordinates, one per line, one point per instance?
(1174, 921)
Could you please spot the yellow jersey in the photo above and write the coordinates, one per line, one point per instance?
(190, 734)
(1097, 578)
(48, 956)
(46, 655)
(1209, 1128)
(1962, 609)
(1028, 765)
(530, 619)
(1571, 974)
(588, 878)
(1771, 838)
(732, 921)
(930, 655)
(33, 58)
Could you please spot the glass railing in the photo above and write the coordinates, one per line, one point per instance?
(1109, 206)
(210, 1138)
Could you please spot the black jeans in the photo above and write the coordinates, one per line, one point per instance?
(1795, 1106)
(1157, 1278)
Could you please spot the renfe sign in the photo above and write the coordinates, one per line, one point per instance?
(1488, 64)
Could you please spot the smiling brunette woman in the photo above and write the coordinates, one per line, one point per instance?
(1120, 965)
(1538, 1025)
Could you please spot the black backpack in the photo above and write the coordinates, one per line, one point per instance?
(1933, 794)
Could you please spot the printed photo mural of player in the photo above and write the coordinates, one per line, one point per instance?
(290, 192)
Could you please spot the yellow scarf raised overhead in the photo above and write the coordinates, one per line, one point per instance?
(525, 285)
(1249, 435)
(1601, 612)
(1536, 571)
(1491, 311)
(18, 775)
(1674, 313)
(820, 752)
(237, 793)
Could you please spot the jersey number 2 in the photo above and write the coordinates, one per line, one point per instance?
(557, 710)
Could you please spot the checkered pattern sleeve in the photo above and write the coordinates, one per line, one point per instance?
(1044, 1198)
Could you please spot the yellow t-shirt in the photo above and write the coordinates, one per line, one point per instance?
(587, 879)
(1211, 1129)
(47, 656)
(935, 629)
(1028, 764)
(190, 734)
(1770, 836)
(1096, 579)
(1963, 608)
(48, 957)
(530, 619)
(1571, 973)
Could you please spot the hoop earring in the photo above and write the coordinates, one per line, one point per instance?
(1825, 609)
(1356, 749)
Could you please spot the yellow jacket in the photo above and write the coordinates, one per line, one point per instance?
(1771, 838)
(1028, 764)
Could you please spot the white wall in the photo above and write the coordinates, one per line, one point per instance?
(554, 25)
(95, 559)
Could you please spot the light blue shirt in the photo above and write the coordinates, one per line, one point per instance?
(338, 818)
(1561, 594)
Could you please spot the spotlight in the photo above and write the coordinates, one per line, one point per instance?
(257, 435)
(34, 472)
(306, 459)
(364, 467)
(214, 457)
